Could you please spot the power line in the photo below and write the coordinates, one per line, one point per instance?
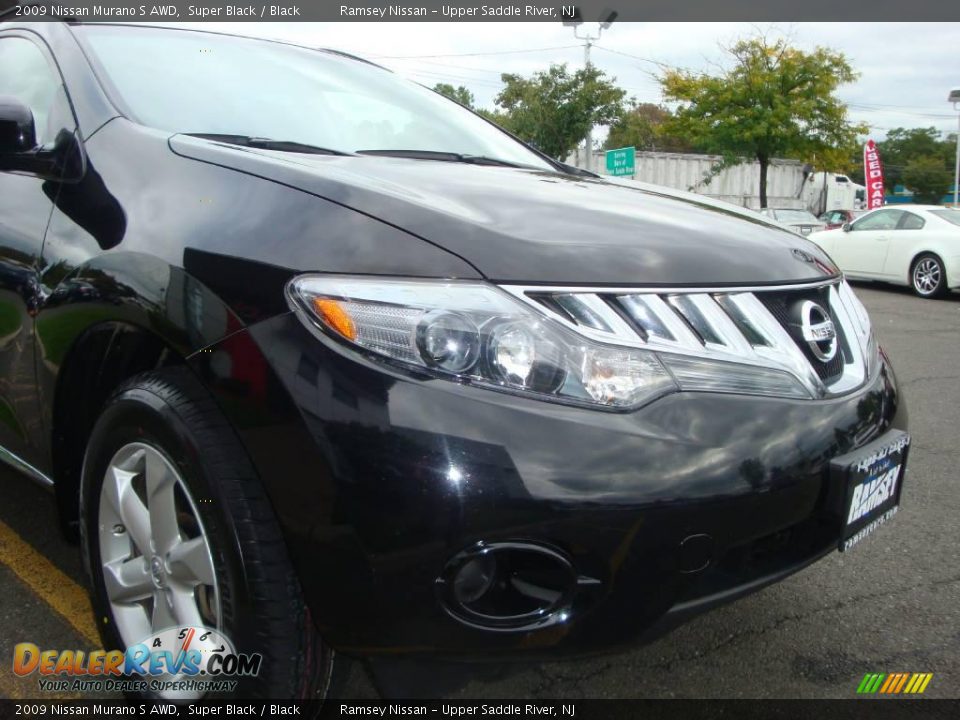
(459, 67)
(659, 63)
(933, 116)
(457, 78)
(882, 105)
(473, 54)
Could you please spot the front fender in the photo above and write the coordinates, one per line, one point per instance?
(132, 290)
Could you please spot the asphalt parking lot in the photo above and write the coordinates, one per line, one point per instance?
(890, 605)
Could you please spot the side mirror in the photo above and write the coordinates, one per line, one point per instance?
(845, 227)
(18, 143)
(17, 131)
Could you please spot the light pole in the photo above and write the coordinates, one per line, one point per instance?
(954, 97)
(606, 20)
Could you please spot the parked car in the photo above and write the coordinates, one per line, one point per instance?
(364, 375)
(801, 221)
(918, 246)
(837, 218)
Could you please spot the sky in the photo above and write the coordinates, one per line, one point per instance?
(906, 69)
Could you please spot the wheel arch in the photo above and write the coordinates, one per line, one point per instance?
(111, 319)
(100, 359)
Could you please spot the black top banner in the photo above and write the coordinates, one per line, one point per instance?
(435, 11)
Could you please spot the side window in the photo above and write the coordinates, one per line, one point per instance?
(911, 222)
(26, 75)
(879, 220)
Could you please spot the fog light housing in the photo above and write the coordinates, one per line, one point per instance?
(509, 586)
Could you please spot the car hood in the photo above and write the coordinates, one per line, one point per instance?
(531, 226)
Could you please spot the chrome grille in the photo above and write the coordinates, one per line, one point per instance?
(780, 304)
(750, 326)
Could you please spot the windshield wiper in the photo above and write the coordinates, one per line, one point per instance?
(261, 143)
(443, 157)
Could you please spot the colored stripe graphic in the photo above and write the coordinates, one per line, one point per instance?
(918, 683)
(894, 683)
(890, 683)
(870, 683)
(900, 684)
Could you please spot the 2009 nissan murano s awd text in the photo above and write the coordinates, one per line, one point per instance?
(316, 358)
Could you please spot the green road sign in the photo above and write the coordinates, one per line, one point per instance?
(621, 161)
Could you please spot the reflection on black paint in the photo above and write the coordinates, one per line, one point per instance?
(753, 471)
(90, 205)
(253, 289)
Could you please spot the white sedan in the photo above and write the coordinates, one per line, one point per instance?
(915, 245)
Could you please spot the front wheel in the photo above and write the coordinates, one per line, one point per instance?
(928, 277)
(177, 533)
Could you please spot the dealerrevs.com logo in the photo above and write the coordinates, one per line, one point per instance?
(177, 663)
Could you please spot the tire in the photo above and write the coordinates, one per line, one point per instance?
(166, 421)
(928, 276)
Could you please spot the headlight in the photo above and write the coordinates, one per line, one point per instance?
(475, 333)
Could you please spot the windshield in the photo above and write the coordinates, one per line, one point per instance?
(951, 216)
(201, 83)
(796, 216)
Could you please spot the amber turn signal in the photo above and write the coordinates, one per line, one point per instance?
(333, 314)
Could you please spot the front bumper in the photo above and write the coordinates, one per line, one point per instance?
(379, 479)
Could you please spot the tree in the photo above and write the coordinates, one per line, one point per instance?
(773, 101)
(459, 93)
(902, 146)
(927, 178)
(555, 108)
(643, 126)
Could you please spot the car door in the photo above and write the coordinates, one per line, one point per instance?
(862, 251)
(906, 242)
(28, 74)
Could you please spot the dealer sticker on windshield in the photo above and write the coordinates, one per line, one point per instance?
(874, 479)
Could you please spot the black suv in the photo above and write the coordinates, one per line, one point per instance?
(318, 359)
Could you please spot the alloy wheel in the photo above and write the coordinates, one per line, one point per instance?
(157, 563)
(926, 276)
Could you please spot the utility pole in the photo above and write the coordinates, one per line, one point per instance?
(588, 141)
(606, 20)
(954, 97)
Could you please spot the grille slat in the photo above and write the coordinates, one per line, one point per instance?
(744, 324)
(644, 317)
(755, 326)
(688, 312)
